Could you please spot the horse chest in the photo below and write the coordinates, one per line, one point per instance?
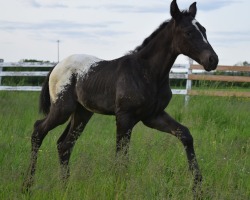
(158, 102)
(144, 105)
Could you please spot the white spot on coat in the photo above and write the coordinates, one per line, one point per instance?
(78, 64)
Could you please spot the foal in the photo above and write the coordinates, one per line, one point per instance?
(134, 88)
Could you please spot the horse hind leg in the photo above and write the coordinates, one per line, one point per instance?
(58, 115)
(36, 141)
(66, 142)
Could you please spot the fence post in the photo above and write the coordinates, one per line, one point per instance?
(1, 69)
(189, 82)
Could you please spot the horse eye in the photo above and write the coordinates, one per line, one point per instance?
(189, 33)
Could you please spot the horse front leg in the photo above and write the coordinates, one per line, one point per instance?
(124, 125)
(164, 122)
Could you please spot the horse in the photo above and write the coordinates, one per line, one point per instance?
(134, 88)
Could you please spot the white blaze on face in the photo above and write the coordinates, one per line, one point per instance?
(195, 25)
(61, 75)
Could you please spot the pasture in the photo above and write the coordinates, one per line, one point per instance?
(157, 167)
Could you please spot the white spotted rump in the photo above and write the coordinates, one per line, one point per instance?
(78, 64)
(195, 25)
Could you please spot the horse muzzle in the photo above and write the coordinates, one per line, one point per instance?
(209, 60)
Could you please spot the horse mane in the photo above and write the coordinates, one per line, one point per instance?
(155, 33)
(149, 38)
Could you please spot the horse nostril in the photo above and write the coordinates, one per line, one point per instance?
(211, 59)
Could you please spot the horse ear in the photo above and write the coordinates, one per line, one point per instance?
(193, 9)
(174, 10)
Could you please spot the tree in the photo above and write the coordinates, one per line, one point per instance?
(245, 63)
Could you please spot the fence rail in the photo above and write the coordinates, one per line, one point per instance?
(204, 77)
(20, 88)
(219, 93)
(221, 78)
(27, 64)
(224, 68)
(186, 72)
(36, 73)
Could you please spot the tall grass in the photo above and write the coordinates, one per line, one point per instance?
(157, 168)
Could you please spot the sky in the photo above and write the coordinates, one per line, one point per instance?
(108, 29)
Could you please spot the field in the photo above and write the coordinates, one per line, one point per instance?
(157, 168)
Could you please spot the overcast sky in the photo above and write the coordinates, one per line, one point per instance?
(108, 29)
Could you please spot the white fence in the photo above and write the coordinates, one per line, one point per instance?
(23, 74)
(186, 72)
(177, 72)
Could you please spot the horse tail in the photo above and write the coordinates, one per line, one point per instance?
(44, 103)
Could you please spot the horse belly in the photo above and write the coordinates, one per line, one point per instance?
(96, 101)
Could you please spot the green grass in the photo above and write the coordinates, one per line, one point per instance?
(158, 167)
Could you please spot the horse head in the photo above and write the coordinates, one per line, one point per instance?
(190, 37)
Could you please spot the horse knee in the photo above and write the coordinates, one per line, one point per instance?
(185, 136)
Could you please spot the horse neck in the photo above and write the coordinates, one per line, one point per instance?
(160, 54)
